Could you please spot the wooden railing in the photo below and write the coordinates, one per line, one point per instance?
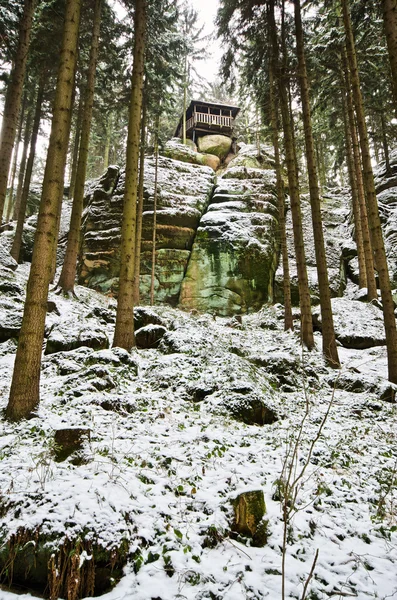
(217, 120)
(220, 121)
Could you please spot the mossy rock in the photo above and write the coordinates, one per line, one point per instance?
(219, 145)
(69, 440)
(249, 408)
(249, 517)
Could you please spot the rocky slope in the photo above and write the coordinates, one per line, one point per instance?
(129, 473)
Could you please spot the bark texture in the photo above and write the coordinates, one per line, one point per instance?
(372, 204)
(329, 342)
(124, 331)
(13, 99)
(24, 394)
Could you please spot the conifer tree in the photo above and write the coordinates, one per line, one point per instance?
(293, 181)
(124, 336)
(154, 232)
(372, 292)
(138, 236)
(273, 74)
(11, 200)
(372, 204)
(25, 387)
(13, 99)
(17, 241)
(68, 273)
(329, 342)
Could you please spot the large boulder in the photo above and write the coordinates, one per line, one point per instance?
(252, 157)
(219, 145)
(69, 335)
(176, 150)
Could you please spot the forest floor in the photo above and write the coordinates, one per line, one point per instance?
(169, 451)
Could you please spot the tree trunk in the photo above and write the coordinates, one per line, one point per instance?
(288, 320)
(184, 102)
(373, 136)
(362, 275)
(372, 204)
(22, 166)
(384, 142)
(106, 151)
(390, 21)
(156, 171)
(138, 237)
(10, 205)
(13, 99)
(24, 395)
(68, 273)
(257, 131)
(17, 242)
(369, 258)
(293, 181)
(76, 146)
(329, 342)
(124, 332)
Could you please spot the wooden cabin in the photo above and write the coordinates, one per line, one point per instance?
(204, 118)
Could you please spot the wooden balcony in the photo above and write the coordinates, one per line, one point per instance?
(203, 118)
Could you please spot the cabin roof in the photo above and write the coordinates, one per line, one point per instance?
(235, 109)
(218, 105)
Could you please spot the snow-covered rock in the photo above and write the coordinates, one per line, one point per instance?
(357, 324)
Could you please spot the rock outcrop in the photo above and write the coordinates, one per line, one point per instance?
(214, 251)
(235, 253)
(183, 194)
(188, 153)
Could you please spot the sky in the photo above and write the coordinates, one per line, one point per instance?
(207, 10)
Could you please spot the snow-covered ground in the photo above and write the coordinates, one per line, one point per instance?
(167, 455)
